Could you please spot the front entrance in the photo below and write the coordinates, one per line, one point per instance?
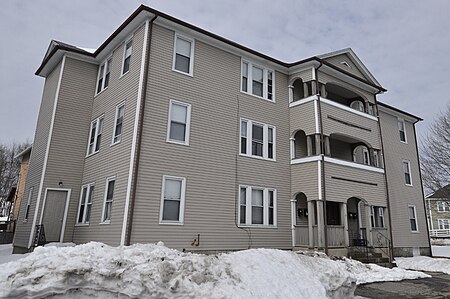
(54, 214)
(355, 215)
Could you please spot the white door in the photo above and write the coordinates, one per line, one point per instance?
(55, 205)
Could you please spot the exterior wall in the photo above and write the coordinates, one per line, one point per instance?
(400, 195)
(304, 178)
(302, 117)
(111, 160)
(20, 193)
(336, 60)
(435, 214)
(23, 229)
(211, 163)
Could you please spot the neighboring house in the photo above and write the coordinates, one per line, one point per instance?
(6, 221)
(25, 159)
(169, 132)
(438, 210)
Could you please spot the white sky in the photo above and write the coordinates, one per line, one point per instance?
(404, 43)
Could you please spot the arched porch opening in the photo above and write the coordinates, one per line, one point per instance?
(357, 221)
(348, 98)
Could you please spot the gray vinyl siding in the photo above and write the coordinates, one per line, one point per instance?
(111, 160)
(340, 190)
(302, 117)
(70, 134)
(23, 229)
(304, 178)
(331, 126)
(401, 195)
(336, 60)
(211, 163)
(305, 75)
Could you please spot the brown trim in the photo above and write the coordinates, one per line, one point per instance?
(348, 123)
(139, 137)
(354, 181)
(399, 111)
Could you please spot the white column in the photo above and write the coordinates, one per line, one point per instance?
(293, 220)
(345, 223)
(292, 144)
(291, 93)
(320, 223)
(305, 90)
(311, 223)
(309, 151)
(323, 91)
(368, 224)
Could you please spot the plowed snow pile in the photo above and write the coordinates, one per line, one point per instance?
(154, 271)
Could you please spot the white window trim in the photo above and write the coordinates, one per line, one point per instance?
(409, 169)
(415, 218)
(121, 104)
(249, 137)
(445, 206)
(188, 122)
(443, 220)
(83, 222)
(265, 80)
(97, 120)
(108, 179)
(130, 39)
(28, 206)
(404, 129)
(104, 62)
(248, 207)
(191, 58)
(182, 200)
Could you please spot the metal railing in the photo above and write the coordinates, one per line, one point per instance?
(383, 243)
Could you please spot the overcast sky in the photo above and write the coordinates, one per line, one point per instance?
(404, 43)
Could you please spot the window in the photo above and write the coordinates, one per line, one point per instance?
(257, 140)
(407, 173)
(27, 211)
(172, 200)
(257, 81)
(377, 216)
(443, 206)
(179, 122)
(444, 223)
(183, 54)
(357, 105)
(413, 218)
(84, 209)
(95, 135)
(127, 57)
(103, 75)
(366, 157)
(257, 206)
(401, 129)
(119, 123)
(376, 161)
(107, 205)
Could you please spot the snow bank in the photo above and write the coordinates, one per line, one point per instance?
(424, 263)
(155, 271)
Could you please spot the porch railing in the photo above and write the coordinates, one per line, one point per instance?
(301, 235)
(335, 234)
(442, 233)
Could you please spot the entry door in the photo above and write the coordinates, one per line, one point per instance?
(55, 205)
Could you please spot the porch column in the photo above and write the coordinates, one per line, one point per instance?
(291, 93)
(293, 220)
(323, 91)
(310, 224)
(327, 146)
(309, 145)
(320, 224)
(317, 137)
(371, 157)
(368, 224)
(305, 90)
(313, 87)
(292, 143)
(345, 223)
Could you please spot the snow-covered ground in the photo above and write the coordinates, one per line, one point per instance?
(6, 254)
(424, 263)
(155, 271)
(441, 251)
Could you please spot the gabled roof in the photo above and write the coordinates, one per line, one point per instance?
(416, 118)
(444, 192)
(24, 152)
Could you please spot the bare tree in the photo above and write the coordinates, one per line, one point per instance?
(435, 154)
(9, 166)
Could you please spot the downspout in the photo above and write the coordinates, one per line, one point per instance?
(322, 160)
(129, 222)
(421, 189)
(391, 246)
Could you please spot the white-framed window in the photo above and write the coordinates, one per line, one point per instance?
(443, 206)
(413, 218)
(118, 125)
(183, 55)
(85, 205)
(257, 140)
(401, 129)
(109, 195)
(128, 49)
(407, 173)
(257, 206)
(357, 105)
(27, 210)
(95, 135)
(444, 223)
(257, 80)
(179, 122)
(377, 217)
(103, 76)
(172, 200)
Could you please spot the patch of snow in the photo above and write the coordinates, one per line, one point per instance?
(58, 244)
(155, 271)
(90, 50)
(6, 255)
(424, 263)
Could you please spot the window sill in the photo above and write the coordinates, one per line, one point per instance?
(177, 142)
(81, 224)
(262, 226)
(90, 155)
(115, 143)
(258, 157)
(258, 97)
(105, 222)
(409, 185)
(415, 232)
(405, 142)
(183, 73)
(171, 223)
(98, 93)
(123, 75)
